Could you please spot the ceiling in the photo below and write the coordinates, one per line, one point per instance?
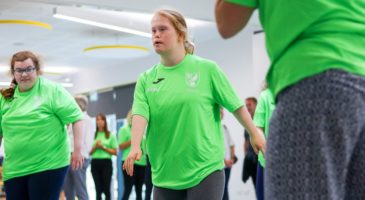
(64, 44)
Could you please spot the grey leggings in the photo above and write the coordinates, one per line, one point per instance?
(211, 188)
(316, 144)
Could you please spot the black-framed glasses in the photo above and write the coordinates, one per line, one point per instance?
(27, 70)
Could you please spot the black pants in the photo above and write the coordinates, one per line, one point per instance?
(45, 185)
(102, 170)
(210, 188)
(137, 180)
(227, 173)
(148, 180)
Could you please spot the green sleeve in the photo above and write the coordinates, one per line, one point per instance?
(259, 117)
(223, 91)
(113, 142)
(2, 101)
(123, 134)
(65, 106)
(1, 128)
(140, 103)
(248, 3)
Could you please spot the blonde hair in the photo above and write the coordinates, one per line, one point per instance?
(179, 23)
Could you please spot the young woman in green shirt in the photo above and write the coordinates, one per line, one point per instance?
(34, 113)
(180, 100)
(104, 147)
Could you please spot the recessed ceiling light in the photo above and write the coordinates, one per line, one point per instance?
(26, 22)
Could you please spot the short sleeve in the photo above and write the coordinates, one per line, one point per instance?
(1, 128)
(248, 3)
(65, 106)
(140, 102)
(123, 135)
(1, 114)
(113, 142)
(223, 91)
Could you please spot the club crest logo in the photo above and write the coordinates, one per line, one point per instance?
(192, 79)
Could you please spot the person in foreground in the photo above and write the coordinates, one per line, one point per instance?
(34, 113)
(316, 138)
(180, 99)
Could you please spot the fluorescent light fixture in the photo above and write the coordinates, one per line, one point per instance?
(26, 22)
(105, 19)
(191, 23)
(59, 70)
(125, 21)
(4, 68)
(4, 83)
(102, 25)
(67, 85)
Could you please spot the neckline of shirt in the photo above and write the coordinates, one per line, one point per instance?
(181, 63)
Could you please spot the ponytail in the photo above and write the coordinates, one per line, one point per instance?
(189, 47)
(9, 93)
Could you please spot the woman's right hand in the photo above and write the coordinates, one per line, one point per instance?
(98, 145)
(258, 141)
(134, 154)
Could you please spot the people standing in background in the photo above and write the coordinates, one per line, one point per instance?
(250, 161)
(104, 147)
(179, 99)
(138, 177)
(317, 77)
(229, 156)
(75, 181)
(33, 115)
(264, 110)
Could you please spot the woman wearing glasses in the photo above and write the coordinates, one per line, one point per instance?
(33, 116)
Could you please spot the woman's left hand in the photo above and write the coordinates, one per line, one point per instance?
(77, 161)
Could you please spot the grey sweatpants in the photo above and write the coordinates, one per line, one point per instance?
(316, 143)
(210, 188)
(75, 182)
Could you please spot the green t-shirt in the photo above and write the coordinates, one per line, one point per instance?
(33, 127)
(124, 136)
(110, 142)
(304, 38)
(181, 104)
(264, 110)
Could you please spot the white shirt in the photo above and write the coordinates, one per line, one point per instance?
(88, 134)
(228, 142)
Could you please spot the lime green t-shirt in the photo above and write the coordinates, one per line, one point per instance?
(33, 125)
(304, 38)
(124, 136)
(264, 110)
(184, 136)
(110, 142)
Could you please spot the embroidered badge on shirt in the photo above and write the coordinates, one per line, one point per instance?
(192, 79)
